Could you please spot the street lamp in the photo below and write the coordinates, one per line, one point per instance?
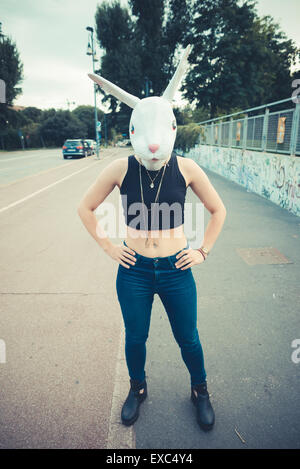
(2, 36)
(148, 87)
(69, 103)
(91, 51)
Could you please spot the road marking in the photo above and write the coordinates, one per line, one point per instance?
(37, 174)
(47, 187)
(120, 436)
(9, 167)
(26, 157)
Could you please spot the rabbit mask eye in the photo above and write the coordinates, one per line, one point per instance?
(132, 129)
(174, 125)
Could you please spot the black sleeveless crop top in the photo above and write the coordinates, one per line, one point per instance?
(168, 211)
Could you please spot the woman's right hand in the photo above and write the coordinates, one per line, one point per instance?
(122, 254)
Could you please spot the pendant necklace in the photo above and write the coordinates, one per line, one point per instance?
(152, 181)
(142, 197)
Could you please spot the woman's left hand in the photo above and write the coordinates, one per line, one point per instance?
(188, 257)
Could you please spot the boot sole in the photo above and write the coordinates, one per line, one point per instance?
(204, 426)
(131, 421)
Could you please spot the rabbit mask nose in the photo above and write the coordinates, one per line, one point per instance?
(154, 147)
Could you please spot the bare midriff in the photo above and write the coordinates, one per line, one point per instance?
(168, 242)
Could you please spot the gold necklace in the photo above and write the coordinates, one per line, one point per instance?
(152, 180)
(142, 197)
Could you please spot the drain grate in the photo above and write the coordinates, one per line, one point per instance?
(268, 255)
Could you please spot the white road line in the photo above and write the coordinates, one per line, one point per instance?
(25, 157)
(49, 169)
(46, 187)
(120, 436)
(37, 174)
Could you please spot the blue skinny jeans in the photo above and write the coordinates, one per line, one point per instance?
(177, 290)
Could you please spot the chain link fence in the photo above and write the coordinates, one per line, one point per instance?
(276, 131)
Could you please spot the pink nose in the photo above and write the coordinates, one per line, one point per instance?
(154, 147)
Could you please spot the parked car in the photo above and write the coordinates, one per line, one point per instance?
(76, 147)
(123, 143)
(92, 144)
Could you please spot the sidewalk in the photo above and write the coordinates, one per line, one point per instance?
(248, 316)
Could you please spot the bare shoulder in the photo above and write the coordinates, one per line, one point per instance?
(121, 166)
(191, 165)
(105, 183)
(202, 186)
(188, 163)
(116, 166)
(119, 163)
(190, 169)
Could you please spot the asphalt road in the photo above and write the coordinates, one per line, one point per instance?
(64, 379)
(60, 319)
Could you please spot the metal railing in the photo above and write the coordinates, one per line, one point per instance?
(276, 132)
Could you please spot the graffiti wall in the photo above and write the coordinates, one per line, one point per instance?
(274, 176)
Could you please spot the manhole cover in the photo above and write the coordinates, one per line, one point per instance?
(269, 255)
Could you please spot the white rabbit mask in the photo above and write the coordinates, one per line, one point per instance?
(152, 126)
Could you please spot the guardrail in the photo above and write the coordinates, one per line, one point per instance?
(276, 132)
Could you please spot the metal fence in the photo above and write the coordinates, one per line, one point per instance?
(276, 132)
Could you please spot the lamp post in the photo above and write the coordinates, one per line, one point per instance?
(69, 103)
(91, 51)
(148, 87)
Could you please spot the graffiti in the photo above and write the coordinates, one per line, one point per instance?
(280, 177)
(295, 93)
(266, 193)
(275, 177)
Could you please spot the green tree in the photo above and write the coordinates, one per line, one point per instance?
(114, 29)
(11, 72)
(11, 68)
(56, 128)
(32, 114)
(139, 43)
(239, 59)
(86, 115)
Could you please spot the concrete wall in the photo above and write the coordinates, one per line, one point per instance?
(274, 176)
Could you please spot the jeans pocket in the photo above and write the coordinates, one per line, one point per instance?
(174, 260)
(136, 262)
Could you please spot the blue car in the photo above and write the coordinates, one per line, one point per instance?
(76, 147)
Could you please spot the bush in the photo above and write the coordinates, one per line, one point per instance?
(10, 139)
(32, 135)
(115, 137)
(187, 137)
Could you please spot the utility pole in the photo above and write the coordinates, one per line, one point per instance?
(91, 51)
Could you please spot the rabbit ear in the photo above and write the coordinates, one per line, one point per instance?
(178, 75)
(117, 92)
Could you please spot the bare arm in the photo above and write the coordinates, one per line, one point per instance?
(201, 185)
(95, 195)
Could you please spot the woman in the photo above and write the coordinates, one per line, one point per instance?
(155, 257)
(160, 265)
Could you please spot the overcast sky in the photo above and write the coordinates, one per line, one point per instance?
(52, 40)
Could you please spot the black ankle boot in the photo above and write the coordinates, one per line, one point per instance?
(130, 409)
(205, 412)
